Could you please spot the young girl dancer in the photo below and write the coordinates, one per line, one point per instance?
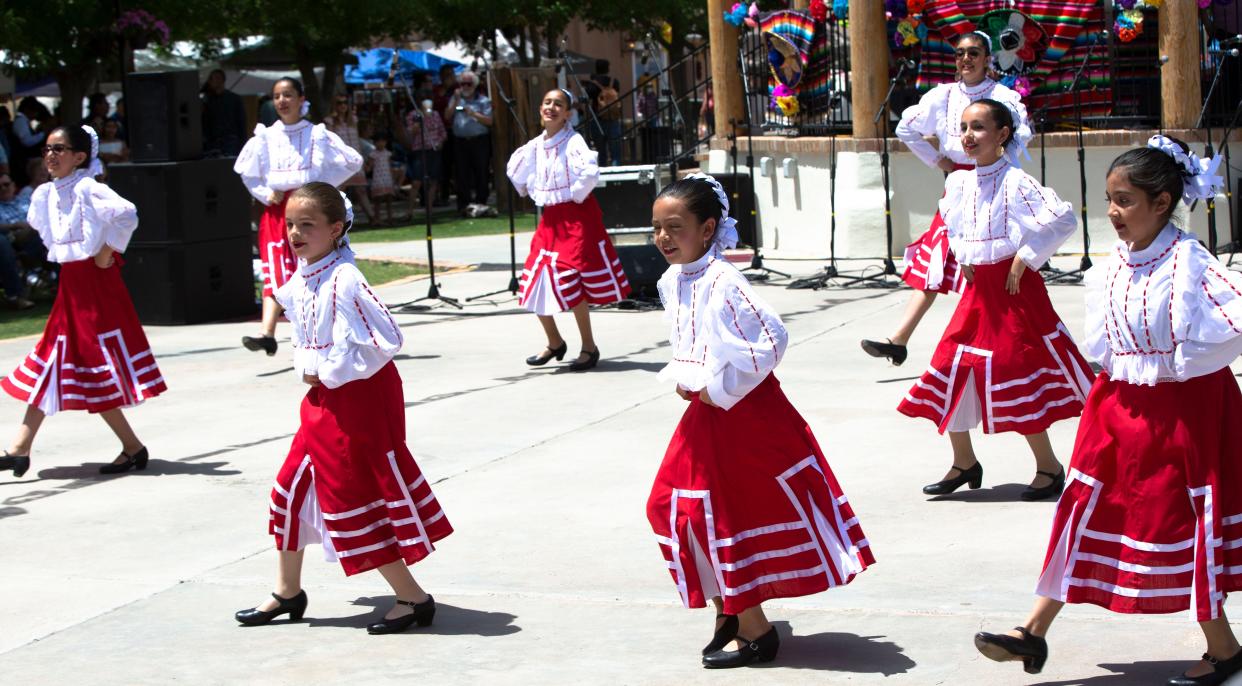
(1005, 359)
(571, 261)
(745, 507)
(278, 159)
(93, 354)
(1151, 521)
(931, 268)
(349, 482)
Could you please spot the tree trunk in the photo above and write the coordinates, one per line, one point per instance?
(327, 88)
(518, 42)
(535, 39)
(306, 67)
(73, 86)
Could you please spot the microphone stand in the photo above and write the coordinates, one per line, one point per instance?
(1224, 146)
(1085, 264)
(517, 123)
(830, 272)
(1040, 119)
(756, 258)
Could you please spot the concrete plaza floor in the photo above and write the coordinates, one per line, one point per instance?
(552, 576)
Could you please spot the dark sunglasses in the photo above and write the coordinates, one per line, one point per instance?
(57, 148)
(968, 52)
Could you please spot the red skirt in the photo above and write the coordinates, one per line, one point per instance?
(350, 483)
(93, 354)
(1006, 360)
(279, 262)
(1151, 517)
(745, 507)
(571, 259)
(930, 264)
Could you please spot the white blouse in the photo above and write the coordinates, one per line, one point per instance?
(76, 216)
(939, 113)
(341, 331)
(725, 339)
(997, 211)
(1168, 312)
(554, 170)
(282, 158)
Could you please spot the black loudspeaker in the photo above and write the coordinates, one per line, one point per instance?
(643, 265)
(203, 200)
(741, 191)
(625, 194)
(191, 283)
(163, 116)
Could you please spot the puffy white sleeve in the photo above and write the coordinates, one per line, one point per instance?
(36, 214)
(115, 216)
(1044, 220)
(252, 166)
(918, 121)
(364, 336)
(1213, 322)
(338, 161)
(583, 168)
(747, 341)
(1095, 296)
(521, 167)
(953, 202)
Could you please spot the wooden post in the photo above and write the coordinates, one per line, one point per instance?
(726, 79)
(800, 4)
(868, 64)
(1180, 91)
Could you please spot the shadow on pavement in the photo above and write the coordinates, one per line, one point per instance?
(450, 620)
(154, 468)
(1000, 493)
(840, 652)
(1132, 674)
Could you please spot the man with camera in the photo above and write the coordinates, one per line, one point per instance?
(471, 114)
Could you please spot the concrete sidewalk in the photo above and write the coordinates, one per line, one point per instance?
(552, 575)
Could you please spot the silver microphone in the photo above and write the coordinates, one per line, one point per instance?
(1164, 59)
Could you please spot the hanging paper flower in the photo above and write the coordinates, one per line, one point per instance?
(752, 15)
(916, 6)
(786, 99)
(818, 10)
(907, 33)
(841, 9)
(1127, 34)
(1023, 86)
(736, 16)
(1126, 4)
(1204, 4)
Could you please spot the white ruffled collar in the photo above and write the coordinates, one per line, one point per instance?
(977, 89)
(71, 180)
(696, 267)
(1163, 241)
(558, 137)
(280, 125)
(996, 166)
(321, 265)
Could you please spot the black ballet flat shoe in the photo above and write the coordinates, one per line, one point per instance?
(1044, 492)
(1223, 669)
(18, 463)
(256, 343)
(295, 607)
(895, 353)
(726, 633)
(762, 649)
(136, 461)
(972, 475)
(423, 613)
(558, 352)
(1032, 650)
(583, 365)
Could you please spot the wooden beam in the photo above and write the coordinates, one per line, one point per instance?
(1180, 93)
(868, 64)
(726, 79)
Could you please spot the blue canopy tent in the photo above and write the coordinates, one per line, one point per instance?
(374, 64)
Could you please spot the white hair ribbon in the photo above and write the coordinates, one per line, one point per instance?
(343, 242)
(726, 227)
(1199, 178)
(305, 109)
(95, 168)
(986, 38)
(1016, 145)
(567, 95)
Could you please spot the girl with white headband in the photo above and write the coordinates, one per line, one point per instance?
(1005, 360)
(745, 507)
(348, 482)
(572, 263)
(280, 158)
(1151, 519)
(931, 268)
(93, 354)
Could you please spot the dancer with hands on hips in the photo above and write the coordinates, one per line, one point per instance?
(1151, 519)
(572, 262)
(348, 482)
(744, 506)
(1005, 361)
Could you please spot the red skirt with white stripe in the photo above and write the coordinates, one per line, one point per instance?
(1151, 517)
(93, 354)
(350, 483)
(275, 254)
(571, 259)
(745, 507)
(930, 264)
(1006, 360)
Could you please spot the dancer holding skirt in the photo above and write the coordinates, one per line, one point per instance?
(744, 506)
(1151, 520)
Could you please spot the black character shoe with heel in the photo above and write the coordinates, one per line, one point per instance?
(422, 615)
(726, 633)
(972, 475)
(762, 649)
(1222, 670)
(589, 363)
(136, 461)
(256, 343)
(895, 353)
(1032, 650)
(18, 463)
(295, 607)
(1052, 490)
(558, 352)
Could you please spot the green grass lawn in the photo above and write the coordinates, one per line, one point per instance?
(379, 272)
(445, 224)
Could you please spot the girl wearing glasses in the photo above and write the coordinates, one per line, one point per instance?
(931, 268)
(282, 157)
(93, 354)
